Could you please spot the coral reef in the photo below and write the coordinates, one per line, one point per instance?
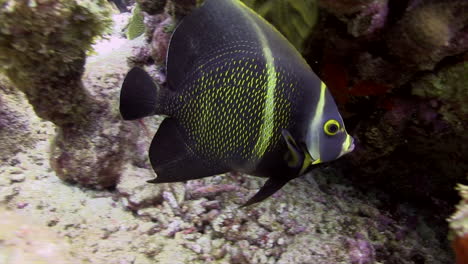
(407, 112)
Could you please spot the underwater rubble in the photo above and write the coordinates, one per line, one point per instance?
(398, 71)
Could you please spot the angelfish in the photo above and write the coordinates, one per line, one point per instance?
(239, 97)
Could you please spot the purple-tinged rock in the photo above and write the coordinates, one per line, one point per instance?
(361, 251)
(363, 17)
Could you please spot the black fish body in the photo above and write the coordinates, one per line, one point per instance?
(239, 98)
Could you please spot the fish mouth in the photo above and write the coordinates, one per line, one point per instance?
(351, 148)
(351, 145)
(348, 146)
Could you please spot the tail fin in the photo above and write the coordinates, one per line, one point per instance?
(138, 95)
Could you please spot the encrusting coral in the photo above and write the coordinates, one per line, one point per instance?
(43, 46)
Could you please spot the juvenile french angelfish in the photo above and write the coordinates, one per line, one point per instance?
(240, 98)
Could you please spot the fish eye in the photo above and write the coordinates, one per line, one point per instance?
(331, 127)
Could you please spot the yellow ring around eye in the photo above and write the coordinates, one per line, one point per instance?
(331, 127)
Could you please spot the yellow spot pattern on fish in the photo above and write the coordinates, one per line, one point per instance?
(223, 110)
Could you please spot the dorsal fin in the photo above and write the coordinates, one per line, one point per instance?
(215, 27)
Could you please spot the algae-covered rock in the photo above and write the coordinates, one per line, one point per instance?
(430, 31)
(15, 121)
(43, 46)
(94, 154)
(449, 87)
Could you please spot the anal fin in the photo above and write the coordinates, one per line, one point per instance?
(172, 158)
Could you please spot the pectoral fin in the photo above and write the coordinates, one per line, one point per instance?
(298, 156)
(269, 188)
(295, 156)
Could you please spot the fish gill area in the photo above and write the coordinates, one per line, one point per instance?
(73, 174)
